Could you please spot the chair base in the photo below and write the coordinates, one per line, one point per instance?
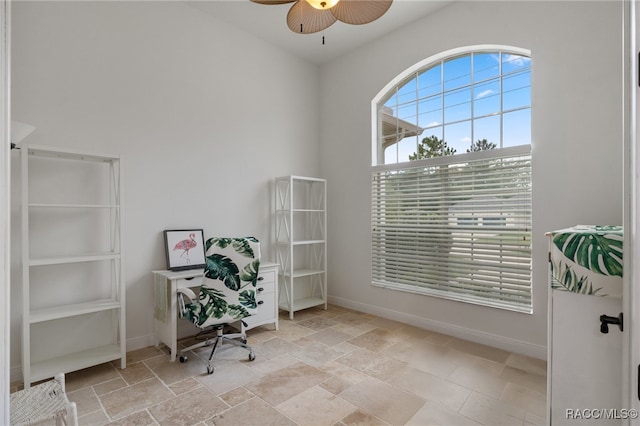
(236, 339)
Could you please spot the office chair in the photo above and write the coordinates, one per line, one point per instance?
(227, 293)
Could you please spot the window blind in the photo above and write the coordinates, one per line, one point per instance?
(457, 227)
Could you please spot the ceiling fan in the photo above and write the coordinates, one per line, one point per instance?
(310, 16)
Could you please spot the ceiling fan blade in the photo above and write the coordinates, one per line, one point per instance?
(359, 12)
(304, 19)
(273, 1)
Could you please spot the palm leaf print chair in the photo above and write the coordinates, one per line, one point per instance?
(227, 294)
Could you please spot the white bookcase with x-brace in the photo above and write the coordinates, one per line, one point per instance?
(301, 242)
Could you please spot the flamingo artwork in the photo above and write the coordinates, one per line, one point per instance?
(186, 245)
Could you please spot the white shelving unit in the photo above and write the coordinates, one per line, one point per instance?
(73, 310)
(301, 245)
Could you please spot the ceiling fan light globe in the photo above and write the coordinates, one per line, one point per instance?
(322, 4)
(305, 19)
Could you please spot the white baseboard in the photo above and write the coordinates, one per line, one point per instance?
(477, 336)
(140, 342)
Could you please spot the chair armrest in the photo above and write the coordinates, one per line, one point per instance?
(182, 305)
(188, 293)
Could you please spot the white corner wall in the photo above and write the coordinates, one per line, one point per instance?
(577, 147)
(203, 115)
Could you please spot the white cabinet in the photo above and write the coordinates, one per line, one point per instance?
(166, 284)
(73, 289)
(584, 358)
(301, 242)
(584, 364)
(266, 296)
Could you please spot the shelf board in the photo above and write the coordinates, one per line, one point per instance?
(74, 361)
(68, 154)
(301, 242)
(74, 206)
(73, 259)
(64, 311)
(304, 272)
(306, 242)
(307, 302)
(301, 210)
(299, 178)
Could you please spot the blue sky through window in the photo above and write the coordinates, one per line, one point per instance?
(484, 95)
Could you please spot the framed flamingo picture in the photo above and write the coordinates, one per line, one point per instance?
(184, 249)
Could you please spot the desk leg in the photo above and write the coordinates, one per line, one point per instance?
(173, 320)
(165, 330)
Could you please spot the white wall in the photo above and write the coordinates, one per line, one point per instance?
(577, 147)
(203, 115)
(185, 98)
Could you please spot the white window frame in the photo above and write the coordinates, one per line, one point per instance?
(378, 166)
(377, 152)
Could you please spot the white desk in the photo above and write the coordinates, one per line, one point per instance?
(166, 331)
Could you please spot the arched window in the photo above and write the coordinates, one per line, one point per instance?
(451, 179)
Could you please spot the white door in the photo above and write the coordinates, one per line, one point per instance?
(4, 213)
(631, 282)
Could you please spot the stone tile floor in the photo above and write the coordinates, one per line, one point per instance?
(335, 367)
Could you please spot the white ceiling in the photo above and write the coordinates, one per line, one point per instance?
(268, 22)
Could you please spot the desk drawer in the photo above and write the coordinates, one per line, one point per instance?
(268, 276)
(266, 295)
(193, 282)
(265, 287)
(266, 309)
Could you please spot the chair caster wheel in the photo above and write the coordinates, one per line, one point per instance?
(209, 369)
(244, 341)
(183, 358)
(252, 356)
